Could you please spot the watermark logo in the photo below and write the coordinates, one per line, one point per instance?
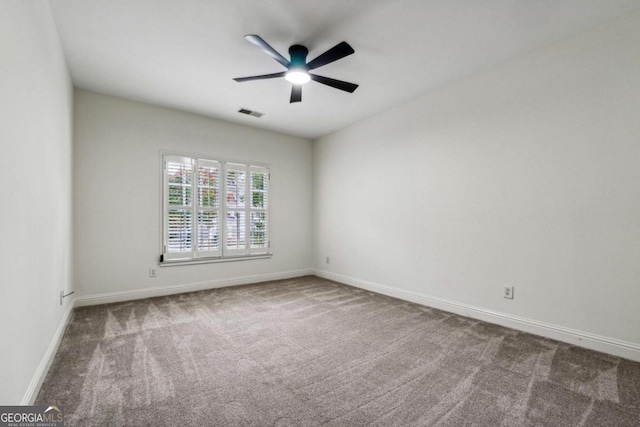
(31, 416)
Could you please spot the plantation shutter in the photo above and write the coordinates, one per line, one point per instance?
(178, 206)
(214, 209)
(258, 210)
(208, 209)
(235, 236)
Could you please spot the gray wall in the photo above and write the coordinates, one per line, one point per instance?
(117, 194)
(35, 183)
(525, 175)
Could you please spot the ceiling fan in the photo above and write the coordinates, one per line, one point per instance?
(298, 68)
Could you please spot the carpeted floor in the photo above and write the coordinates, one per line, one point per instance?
(310, 352)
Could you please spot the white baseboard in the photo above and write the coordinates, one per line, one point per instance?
(604, 344)
(121, 296)
(43, 368)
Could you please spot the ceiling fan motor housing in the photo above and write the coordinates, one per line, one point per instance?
(298, 54)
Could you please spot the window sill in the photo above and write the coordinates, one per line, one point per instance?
(177, 262)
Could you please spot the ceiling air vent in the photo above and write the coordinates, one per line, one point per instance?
(250, 112)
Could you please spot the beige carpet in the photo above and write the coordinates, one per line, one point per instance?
(310, 352)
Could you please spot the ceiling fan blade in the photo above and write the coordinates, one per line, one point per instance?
(262, 77)
(339, 51)
(296, 93)
(338, 84)
(266, 48)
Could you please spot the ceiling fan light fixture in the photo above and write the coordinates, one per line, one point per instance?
(297, 76)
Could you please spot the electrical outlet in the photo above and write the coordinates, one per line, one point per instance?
(508, 292)
(152, 272)
(61, 296)
(328, 260)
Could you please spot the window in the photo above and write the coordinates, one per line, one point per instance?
(214, 209)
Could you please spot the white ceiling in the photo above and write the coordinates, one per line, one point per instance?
(184, 53)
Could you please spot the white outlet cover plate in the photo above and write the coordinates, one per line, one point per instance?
(508, 292)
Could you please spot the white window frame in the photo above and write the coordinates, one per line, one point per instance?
(223, 253)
